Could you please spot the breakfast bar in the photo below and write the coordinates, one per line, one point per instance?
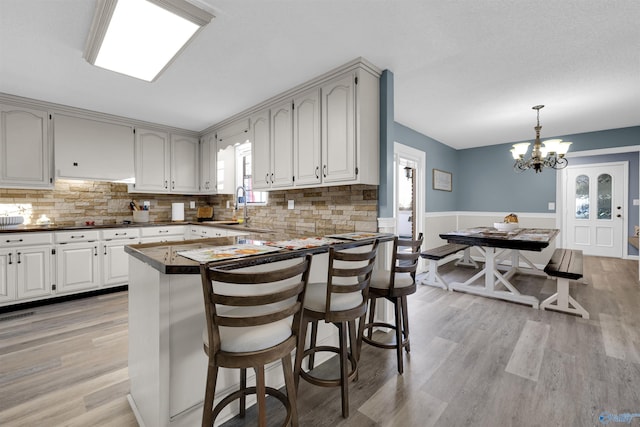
(167, 364)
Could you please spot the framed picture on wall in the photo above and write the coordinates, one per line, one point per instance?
(442, 180)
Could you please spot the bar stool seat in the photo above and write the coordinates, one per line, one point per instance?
(253, 318)
(395, 285)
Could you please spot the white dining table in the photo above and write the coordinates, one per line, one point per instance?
(498, 247)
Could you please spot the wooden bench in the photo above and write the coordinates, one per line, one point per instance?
(436, 254)
(564, 265)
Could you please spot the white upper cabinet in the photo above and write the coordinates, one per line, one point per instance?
(184, 164)
(208, 164)
(338, 130)
(92, 149)
(25, 148)
(327, 135)
(165, 163)
(152, 158)
(281, 145)
(306, 138)
(261, 150)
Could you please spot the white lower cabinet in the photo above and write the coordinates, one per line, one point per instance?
(25, 267)
(114, 265)
(77, 261)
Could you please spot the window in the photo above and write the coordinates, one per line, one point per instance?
(243, 175)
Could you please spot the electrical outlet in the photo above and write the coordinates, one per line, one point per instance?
(192, 204)
(146, 204)
(291, 204)
(227, 204)
(552, 206)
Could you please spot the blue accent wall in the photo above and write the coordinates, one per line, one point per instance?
(439, 156)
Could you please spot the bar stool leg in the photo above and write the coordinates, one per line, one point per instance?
(405, 322)
(212, 375)
(243, 398)
(261, 396)
(372, 311)
(397, 306)
(344, 372)
(291, 389)
(302, 337)
(314, 338)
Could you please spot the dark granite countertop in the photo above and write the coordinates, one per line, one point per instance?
(164, 256)
(61, 227)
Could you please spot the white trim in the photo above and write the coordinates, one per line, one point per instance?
(604, 151)
(420, 157)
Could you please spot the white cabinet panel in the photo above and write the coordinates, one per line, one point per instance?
(26, 149)
(338, 131)
(92, 149)
(184, 164)
(7, 276)
(282, 145)
(261, 150)
(33, 271)
(306, 138)
(208, 164)
(152, 161)
(77, 267)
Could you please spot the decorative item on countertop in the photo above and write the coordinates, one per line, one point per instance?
(510, 223)
(11, 220)
(205, 213)
(43, 220)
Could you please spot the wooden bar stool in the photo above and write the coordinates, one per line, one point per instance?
(253, 318)
(394, 285)
(341, 301)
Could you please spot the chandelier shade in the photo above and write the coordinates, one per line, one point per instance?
(550, 155)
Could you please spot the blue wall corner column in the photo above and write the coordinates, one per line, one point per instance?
(387, 124)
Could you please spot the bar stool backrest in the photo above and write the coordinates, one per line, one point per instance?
(405, 257)
(253, 296)
(349, 272)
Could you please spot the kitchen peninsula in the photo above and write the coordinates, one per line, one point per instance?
(167, 363)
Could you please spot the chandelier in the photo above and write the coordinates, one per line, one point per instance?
(551, 155)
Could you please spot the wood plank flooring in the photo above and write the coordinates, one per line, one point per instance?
(474, 361)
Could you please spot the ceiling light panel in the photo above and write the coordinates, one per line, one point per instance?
(140, 38)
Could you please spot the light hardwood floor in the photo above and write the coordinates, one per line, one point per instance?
(474, 361)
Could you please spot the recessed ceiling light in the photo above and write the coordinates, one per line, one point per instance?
(140, 38)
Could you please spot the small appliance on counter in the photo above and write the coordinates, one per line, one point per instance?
(177, 211)
(205, 213)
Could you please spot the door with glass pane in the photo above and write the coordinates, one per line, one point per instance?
(595, 210)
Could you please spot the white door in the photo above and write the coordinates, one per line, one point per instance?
(184, 164)
(115, 263)
(34, 269)
(595, 208)
(152, 160)
(261, 151)
(77, 267)
(282, 144)
(306, 138)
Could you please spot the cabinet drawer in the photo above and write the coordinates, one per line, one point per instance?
(76, 236)
(22, 239)
(120, 233)
(162, 231)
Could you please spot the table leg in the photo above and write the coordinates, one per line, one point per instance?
(493, 276)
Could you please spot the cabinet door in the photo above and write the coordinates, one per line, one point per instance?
(34, 271)
(7, 276)
(93, 149)
(208, 150)
(184, 164)
(261, 151)
(282, 145)
(77, 265)
(152, 161)
(306, 138)
(115, 263)
(338, 130)
(25, 148)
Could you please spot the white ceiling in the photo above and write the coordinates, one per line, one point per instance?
(467, 72)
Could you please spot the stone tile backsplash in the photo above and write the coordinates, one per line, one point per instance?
(317, 210)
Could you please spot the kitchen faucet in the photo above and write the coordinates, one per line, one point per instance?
(244, 197)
